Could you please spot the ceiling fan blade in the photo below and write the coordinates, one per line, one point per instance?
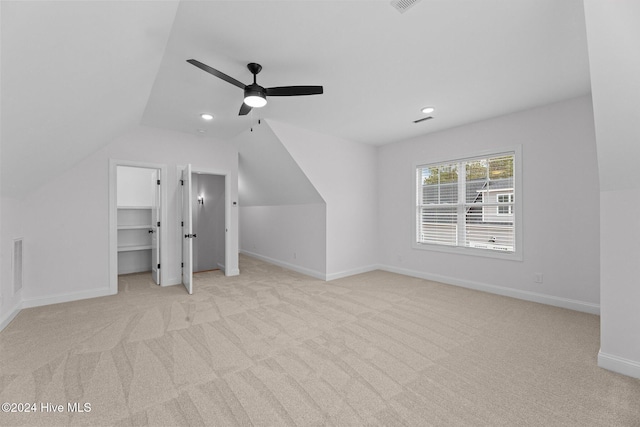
(216, 73)
(244, 109)
(294, 90)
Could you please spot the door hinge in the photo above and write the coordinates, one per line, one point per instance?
(182, 264)
(158, 182)
(181, 223)
(158, 223)
(158, 266)
(182, 182)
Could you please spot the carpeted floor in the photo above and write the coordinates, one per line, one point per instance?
(273, 347)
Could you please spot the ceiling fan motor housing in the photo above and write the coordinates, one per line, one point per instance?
(255, 95)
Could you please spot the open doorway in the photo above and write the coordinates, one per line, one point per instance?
(136, 215)
(205, 208)
(208, 221)
(138, 207)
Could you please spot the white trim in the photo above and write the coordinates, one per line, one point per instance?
(297, 268)
(8, 317)
(53, 299)
(113, 217)
(66, 297)
(227, 212)
(352, 272)
(571, 304)
(309, 272)
(618, 364)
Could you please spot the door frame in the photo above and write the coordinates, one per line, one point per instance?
(227, 208)
(113, 217)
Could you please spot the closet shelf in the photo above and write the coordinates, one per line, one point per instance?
(133, 248)
(134, 227)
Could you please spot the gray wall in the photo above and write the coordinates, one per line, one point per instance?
(208, 222)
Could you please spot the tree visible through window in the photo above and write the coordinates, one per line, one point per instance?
(468, 203)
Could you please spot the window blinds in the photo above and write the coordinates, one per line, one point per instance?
(468, 202)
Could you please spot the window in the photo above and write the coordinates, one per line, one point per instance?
(468, 203)
(507, 204)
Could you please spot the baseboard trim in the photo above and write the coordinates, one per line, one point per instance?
(571, 304)
(296, 268)
(353, 272)
(67, 297)
(53, 299)
(8, 317)
(232, 272)
(620, 365)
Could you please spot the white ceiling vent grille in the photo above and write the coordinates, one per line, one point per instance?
(403, 5)
(17, 265)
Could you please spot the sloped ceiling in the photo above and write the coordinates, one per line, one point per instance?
(77, 74)
(267, 174)
(74, 76)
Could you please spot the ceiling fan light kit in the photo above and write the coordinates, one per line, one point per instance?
(255, 96)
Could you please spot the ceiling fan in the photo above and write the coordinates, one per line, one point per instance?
(255, 96)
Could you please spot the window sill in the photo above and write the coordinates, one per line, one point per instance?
(459, 250)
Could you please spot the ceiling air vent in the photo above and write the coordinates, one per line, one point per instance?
(403, 5)
(423, 119)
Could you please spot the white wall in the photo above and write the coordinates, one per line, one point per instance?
(292, 236)
(560, 203)
(268, 175)
(613, 34)
(135, 186)
(345, 174)
(208, 221)
(282, 215)
(66, 221)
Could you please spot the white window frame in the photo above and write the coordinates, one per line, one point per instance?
(509, 204)
(517, 254)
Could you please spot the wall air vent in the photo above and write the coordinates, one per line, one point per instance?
(403, 5)
(17, 265)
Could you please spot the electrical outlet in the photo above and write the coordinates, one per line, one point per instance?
(538, 278)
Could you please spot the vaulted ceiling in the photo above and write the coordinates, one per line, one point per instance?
(77, 74)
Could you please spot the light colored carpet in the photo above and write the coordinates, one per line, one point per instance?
(273, 347)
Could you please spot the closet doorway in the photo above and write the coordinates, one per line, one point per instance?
(208, 221)
(136, 240)
(205, 203)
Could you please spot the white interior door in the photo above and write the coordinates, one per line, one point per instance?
(155, 226)
(187, 231)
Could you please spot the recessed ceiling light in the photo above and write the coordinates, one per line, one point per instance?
(206, 116)
(428, 110)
